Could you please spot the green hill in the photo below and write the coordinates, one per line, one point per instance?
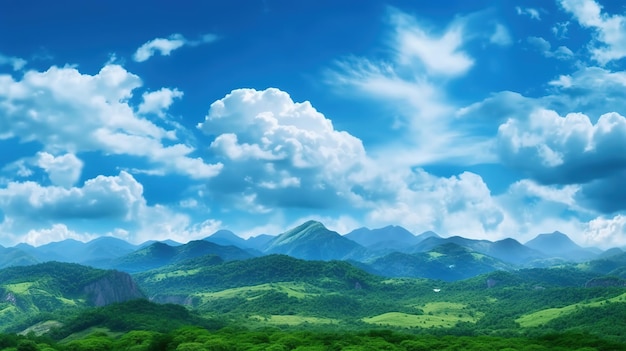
(51, 287)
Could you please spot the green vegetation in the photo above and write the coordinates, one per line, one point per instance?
(282, 303)
(229, 338)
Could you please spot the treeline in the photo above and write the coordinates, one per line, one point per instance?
(237, 339)
(337, 275)
(66, 278)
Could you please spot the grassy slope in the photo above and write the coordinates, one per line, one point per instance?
(544, 316)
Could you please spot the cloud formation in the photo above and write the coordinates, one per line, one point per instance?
(564, 150)
(165, 46)
(275, 150)
(70, 112)
(15, 62)
(609, 30)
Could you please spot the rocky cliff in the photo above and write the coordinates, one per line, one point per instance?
(114, 287)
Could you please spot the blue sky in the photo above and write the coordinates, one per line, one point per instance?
(153, 120)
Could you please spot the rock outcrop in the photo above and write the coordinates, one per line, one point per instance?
(114, 287)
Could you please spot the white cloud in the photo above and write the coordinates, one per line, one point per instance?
(62, 170)
(165, 46)
(458, 205)
(58, 232)
(161, 223)
(159, 101)
(437, 54)
(108, 205)
(609, 30)
(566, 149)
(15, 62)
(72, 112)
(606, 232)
(264, 136)
(529, 11)
(114, 197)
(413, 85)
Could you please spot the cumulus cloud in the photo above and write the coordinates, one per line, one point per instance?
(68, 111)
(564, 150)
(609, 30)
(456, 205)
(274, 149)
(62, 170)
(57, 232)
(104, 197)
(159, 101)
(165, 46)
(606, 232)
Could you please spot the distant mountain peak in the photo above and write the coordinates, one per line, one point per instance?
(391, 237)
(557, 244)
(312, 240)
(223, 233)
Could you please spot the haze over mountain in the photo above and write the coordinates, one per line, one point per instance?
(313, 241)
(557, 244)
(160, 254)
(392, 238)
(377, 250)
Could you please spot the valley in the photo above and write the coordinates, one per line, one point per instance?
(355, 293)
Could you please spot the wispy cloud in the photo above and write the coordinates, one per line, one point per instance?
(15, 62)
(609, 30)
(528, 11)
(165, 46)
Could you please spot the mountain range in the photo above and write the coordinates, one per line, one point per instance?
(390, 251)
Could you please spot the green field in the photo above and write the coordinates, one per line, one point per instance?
(539, 318)
(293, 320)
(19, 288)
(42, 327)
(436, 315)
(297, 290)
(173, 274)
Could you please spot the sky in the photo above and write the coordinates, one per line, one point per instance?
(158, 120)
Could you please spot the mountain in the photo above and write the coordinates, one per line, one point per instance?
(425, 235)
(101, 251)
(313, 241)
(448, 262)
(11, 256)
(160, 254)
(259, 242)
(557, 244)
(53, 286)
(512, 251)
(150, 242)
(68, 250)
(226, 237)
(183, 282)
(507, 250)
(98, 252)
(387, 238)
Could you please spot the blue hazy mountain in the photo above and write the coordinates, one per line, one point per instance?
(389, 238)
(159, 254)
(508, 250)
(557, 244)
(448, 261)
(313, 241)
